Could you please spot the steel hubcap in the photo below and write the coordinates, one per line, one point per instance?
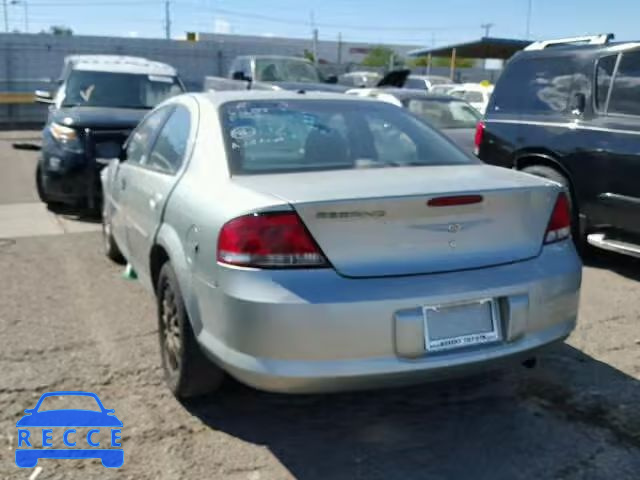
(172, 338)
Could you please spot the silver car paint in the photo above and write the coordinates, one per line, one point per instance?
(315, 330)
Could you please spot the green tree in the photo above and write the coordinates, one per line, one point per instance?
(60, 30)
(419, 62)
(308, 55)
(378, 57)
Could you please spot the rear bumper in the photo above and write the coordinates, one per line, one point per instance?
(314, 331)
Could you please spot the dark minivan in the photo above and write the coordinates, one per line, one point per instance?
(572, 114)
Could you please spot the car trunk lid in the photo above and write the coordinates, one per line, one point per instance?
(380, 222)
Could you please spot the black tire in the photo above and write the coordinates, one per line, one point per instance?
(187, 371)
(111, 249)
(54, 207)
(552, 174)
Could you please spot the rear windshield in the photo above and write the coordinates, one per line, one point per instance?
(118, 90)
(444, 113)
(300, 135)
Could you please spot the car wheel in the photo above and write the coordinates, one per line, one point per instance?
(552, 174)
(55, 207)
(111, 249)
(187, 371)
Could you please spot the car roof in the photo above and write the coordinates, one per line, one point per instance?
(275, 57)
(412, 93)
(218, 98)
(119, 64)
(565, 50)
(428, 77)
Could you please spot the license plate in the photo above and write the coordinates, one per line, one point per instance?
(461, 325)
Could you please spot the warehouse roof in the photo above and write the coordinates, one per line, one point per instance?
(486, 47)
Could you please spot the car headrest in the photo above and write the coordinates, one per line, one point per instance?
(326, 146)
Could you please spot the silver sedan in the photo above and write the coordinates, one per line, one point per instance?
(318, 242)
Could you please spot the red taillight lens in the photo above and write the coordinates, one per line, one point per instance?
(560, 224)
(478, 138)
(270, 240)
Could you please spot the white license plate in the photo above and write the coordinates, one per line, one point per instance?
(461, 325)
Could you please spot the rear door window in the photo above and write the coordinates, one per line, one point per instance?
(141, 138)
(539, 85)
(625, 96)
(170, 148)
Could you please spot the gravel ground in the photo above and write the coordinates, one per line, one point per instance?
(69, 321)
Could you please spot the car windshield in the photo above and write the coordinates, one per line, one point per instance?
(445, 113)
(69, 402)
(300, 135)
(125, 90)
(442, 89)
(413, 82)
(285, 70)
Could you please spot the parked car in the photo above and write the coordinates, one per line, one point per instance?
(452, 116)
(476, 94)
(359, 79)
(443, 89)
(273, 72)
(311, 242)
(99, 101)
(572, 114)
(425, 82)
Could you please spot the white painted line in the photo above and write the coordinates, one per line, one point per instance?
(35, 473)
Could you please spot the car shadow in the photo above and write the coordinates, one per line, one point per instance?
(521, 424)
(624, 265)
(76, 214)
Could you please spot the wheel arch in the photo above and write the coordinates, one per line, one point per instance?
(168, 247)
(547, 159)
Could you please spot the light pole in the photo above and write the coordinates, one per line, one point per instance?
(6, 16)
(528, 34)
(25, 5)
(487, 28)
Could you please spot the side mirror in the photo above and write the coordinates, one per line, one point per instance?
(332, 79)
(240, 76)
(42, 96)
(578, 103)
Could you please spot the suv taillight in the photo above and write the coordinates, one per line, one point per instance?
(560, 223)
(478, 138)
(269, 240)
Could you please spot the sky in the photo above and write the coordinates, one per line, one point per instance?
(411, 22)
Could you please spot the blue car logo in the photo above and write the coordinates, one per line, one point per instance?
(27, 453)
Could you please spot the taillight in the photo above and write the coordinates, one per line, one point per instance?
(560, 224)
(478, 138)
(269, 240)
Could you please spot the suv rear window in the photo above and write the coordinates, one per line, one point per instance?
(265, 136)
(625, 97)
(539, 85)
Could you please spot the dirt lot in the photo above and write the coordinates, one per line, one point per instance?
(69, 321)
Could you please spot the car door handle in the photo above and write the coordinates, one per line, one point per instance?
(123, 184)
(154, 201)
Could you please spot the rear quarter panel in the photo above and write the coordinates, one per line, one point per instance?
(203, 200)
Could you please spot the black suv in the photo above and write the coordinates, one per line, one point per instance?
(100, 99)
(572, 114)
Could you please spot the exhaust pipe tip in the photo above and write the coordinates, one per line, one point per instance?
(530, 363)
